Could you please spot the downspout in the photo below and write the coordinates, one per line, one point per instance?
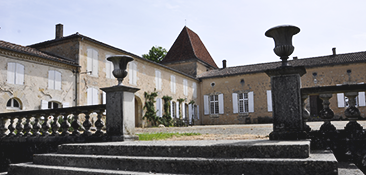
(76, 73)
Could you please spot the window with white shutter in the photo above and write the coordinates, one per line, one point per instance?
(132, 73)
(172, 84)
(158, 79)
(15, 73)
(92, 61)
(108, 68)
(243, 102)
(54, 80)
(159, 107)
(194, 90)
(92, 96)
(185, 87)
(183, 110)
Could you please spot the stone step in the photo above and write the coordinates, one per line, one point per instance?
(206, 149)
(316, 163)
(32, 169)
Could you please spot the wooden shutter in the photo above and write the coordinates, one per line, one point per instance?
(340, 100)
(159, 105)
(235, 103)
(185, 89)
(19, 77)
(177, 109)
(198, 112)
(171, 109)
(89, 96)
(190, 113)
(221, 103)
(51, 79)
(361, 99)
(44, 104)
(95, 62)
(251, 101)
(11, 73)
(206, 105)
(58, 80)
(183, 110)
(89, 60)
(194, 89)
(269, 100)
(104, 97)
(158, 79)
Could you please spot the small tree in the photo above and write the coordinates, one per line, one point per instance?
(150, 113)
(156, 54)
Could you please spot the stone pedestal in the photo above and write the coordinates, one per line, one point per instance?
(286, 101)
(120, 108)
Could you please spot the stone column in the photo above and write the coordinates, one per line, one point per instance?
(286, 101)
(120, 112)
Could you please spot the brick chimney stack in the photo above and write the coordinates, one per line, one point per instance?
(334, 51)
(59, 31)
(223, 64)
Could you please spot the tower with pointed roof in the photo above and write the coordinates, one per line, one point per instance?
(189, 55)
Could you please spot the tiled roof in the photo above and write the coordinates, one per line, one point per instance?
(357, 57)
(188, 46)
(34, 52)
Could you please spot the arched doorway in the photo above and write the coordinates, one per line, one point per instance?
(138, 112)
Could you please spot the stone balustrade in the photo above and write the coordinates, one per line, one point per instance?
(45, 124)
(352, 112)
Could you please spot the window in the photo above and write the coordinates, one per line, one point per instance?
(54, 80)
(342, 100)
(53, 104)
(243, 102)
(92, 62)
(159, 107)
(185, 87)
(92, 96)
(194, 89)
(132, 73)
(13, 104)
(193, 111)
(158, 79)
(108, 68)
(173, 110)
(172, 84)
(15, 73)
(214, 104)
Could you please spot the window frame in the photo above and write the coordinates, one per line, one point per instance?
(11, 107)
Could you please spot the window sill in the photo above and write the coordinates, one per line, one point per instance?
(214, 115)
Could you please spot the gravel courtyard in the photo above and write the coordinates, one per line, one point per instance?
(231, 132)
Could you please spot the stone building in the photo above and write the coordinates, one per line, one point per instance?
(227, 95)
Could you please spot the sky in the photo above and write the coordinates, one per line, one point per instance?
(231, 29)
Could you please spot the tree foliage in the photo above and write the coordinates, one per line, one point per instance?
(156, 54)
(150, 114)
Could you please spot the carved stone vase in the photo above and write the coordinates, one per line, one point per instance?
(120, 65)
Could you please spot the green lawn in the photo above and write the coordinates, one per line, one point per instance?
(162, 135)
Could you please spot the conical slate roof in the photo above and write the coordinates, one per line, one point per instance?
(188, 46)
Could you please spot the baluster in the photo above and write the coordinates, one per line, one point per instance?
(87, 124)
(46, 125)
(20, 126)
(76, 124)
(99, 124)
(55, 125)
(305, 113)
(352, 113)
(326, 114)
(11, 127)
(36, 126)
(65, 125)
(27, 126)
(3, 128)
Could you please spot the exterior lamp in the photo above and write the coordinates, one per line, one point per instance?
(120, 65)
(282, 36)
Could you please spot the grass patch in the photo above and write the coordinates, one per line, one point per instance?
(162, 135)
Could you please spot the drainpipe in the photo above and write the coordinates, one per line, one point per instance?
(76, 73)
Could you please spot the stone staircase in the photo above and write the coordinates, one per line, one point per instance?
(182, 157)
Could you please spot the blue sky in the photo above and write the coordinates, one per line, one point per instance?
(231, 29)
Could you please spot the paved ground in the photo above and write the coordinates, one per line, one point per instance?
(236, 132)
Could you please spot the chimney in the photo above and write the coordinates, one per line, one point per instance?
(295, 58)
(59, 31)
(223, 64)
(334, 50)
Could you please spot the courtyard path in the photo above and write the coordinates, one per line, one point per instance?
(231, 132)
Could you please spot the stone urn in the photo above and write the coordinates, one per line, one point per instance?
(120, 65)
(282, 36)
